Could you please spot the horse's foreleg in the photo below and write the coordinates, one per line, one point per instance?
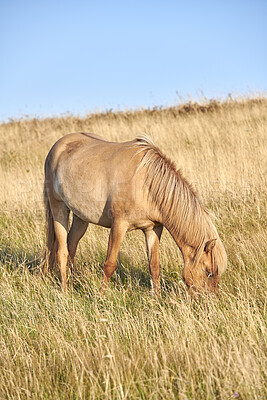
(152, 243)
(116, 236)
(77, 230)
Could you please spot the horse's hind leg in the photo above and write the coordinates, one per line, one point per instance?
(77, 230)
(152, 242)
(61, 216)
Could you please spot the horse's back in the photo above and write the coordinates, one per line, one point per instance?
(83, 148)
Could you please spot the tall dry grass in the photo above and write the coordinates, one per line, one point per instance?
(129, 344)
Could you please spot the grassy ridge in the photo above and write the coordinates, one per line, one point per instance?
(128, 344)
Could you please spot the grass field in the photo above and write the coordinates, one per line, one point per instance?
(130, 345)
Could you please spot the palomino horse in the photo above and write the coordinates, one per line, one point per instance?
(126, 186)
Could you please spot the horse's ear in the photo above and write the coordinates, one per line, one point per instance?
(209, 245)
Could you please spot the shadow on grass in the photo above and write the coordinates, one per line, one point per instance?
(15, 259)
(127, 274)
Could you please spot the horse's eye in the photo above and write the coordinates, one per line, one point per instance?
(209, 274)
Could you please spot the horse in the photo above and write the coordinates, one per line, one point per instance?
(126, 186)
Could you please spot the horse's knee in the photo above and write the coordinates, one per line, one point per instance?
(109, 269)
(155, 271)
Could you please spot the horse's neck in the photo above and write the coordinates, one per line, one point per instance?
(187, 243)
(184, 247)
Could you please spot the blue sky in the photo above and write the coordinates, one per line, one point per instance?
(81, 56)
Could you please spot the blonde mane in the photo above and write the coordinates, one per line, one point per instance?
(183, 213)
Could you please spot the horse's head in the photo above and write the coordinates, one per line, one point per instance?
(202, 271)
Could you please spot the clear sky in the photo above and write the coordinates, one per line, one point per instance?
(59, 56)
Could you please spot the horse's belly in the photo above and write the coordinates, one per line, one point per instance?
(92, 212)
(89, 202)
(95, 212)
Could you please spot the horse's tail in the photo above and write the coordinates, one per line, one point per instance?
(49, 259)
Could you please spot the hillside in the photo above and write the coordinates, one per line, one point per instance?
(129, 344)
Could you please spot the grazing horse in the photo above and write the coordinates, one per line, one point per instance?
(126, 186)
